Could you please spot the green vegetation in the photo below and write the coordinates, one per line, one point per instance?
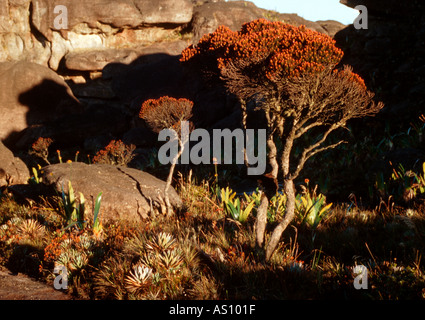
(203, 252)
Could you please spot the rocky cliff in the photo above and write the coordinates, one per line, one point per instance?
(45, 31)
(50, 31)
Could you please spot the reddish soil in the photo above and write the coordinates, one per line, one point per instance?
(21, 287)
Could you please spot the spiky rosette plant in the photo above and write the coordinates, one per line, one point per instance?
(32, 229)
(161, 242)
(163, 266)
(291, 74)
(162, 251)
(168, 113)
(138, 279)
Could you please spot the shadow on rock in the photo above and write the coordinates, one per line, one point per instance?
(157, 75)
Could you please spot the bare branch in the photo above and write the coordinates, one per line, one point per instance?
(312, 150)
(309, 155)
(340, 96)
(302, 130)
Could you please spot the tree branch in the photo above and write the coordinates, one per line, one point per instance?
(302, 131)
(314, 149)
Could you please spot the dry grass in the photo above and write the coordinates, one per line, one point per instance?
(200, 253)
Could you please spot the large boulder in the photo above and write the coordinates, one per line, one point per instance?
(93, 60)
(12, 169)
(390, 56)
(128, 194)
(388, 8)
(165, 11)
(114, 60)
(331, 26)
(30, 96)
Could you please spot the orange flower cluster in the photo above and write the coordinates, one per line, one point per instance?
(213, 42)
(10, 236)
(41, 144)
(116, 152)
(53, 250)
(149, 106)
(281, 50)
(352, 77)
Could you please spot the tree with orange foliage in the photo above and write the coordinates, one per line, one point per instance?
(291, 74)
(168, 113)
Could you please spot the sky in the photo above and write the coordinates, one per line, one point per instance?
(312, 10)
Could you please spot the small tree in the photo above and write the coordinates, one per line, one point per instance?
(290, 72)
(115, 153)
(40, 148)
(168, 113)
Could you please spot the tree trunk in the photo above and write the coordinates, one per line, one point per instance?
(170, 179)
(167, 187)
(261, 222)
(288, 186)
(272, 150)
(289, 189)
(272, 155)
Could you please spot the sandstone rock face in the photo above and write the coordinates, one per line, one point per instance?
(30, 96)
(12, 169)
(16, 39)
(108, 15)
(128, 194)
(44, 31)
(165, 11)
